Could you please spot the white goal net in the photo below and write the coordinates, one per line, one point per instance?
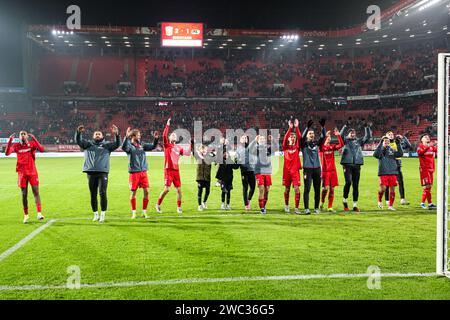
(442, 246)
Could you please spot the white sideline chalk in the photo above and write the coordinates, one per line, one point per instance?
(22, 242)
(214, 280)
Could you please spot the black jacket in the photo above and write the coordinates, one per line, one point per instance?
(310, 150)
(352, 151)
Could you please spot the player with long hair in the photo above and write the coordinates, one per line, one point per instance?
(138, 166)
(26, 169)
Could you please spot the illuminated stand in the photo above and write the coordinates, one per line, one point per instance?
(442, 254)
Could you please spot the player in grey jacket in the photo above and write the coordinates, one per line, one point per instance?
(311, 163)
(247, 163)
(96, 165)
(352, 160)
(138, 166)
(387, 168)
(406, 145)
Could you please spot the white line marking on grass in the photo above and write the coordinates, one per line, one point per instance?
(22, 242)
(215, 280)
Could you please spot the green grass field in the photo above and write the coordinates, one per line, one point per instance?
(211, 244)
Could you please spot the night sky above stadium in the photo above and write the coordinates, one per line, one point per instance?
(317, 14)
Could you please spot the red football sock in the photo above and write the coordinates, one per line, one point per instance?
(265, 202)
(133, 204)
(297, 199)
(429, 196)
(286, 198)
(144, 204)
(159, 201)
(261, 203)
(25, 211)
(424, 195)
(179, 203)
(380, 196)
(324, 195)
(330, 199)
(391, 198)
(39, 207)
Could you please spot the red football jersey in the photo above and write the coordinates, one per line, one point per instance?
(291, 152)
(327, 155)
(26, 154)
(426, 156)
(172, 152)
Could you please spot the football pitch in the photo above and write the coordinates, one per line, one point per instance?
(212, 254)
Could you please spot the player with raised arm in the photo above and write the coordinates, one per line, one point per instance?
(225, 176)
(247, 163)
(427, 152)
(26, 169)
(352, 159)
(292, 165)
(261, 148)
(172, 153)
(405, 144)
(96, 165)
(138, 166)
(329, 174)
(388, 168)
(311, 164)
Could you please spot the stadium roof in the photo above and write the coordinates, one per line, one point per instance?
(407, 21)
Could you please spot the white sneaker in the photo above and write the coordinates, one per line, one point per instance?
(133, 216)
(179, 210)
(391, 208)
(316, 211)
(222, 206)
(380, 205)
(228, 207)
(96, 217)
(158, 208)
(387, 203)
(204, 205)
(307, 211)
(286, 209)
(102, 217)
(40, 217)
(200, 208)
(144, 215)
(297, 211)
(25, 219)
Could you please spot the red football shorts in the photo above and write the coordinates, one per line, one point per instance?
(172, 176)
(138, 180)
(426, 177)
(330, 179)
(24, 179)
(388, 180)
(291, 178)
(264, 180)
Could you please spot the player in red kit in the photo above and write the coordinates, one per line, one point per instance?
(329, 173)
(292, 165)
(427, 152)
(172, 153)
(26, 169)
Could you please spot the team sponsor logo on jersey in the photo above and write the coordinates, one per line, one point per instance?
(24, 150)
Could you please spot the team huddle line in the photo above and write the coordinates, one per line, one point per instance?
(252, 156)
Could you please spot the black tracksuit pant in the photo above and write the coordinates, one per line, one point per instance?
(352, 174)
(248, 185)
(98, 183)
(312, 176)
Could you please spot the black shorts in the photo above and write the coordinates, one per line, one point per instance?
(203, 183)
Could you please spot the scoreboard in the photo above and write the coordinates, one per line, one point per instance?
(174, 34)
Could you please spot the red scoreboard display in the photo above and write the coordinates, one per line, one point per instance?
(174, 34)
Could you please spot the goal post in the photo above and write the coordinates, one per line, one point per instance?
(442, 261)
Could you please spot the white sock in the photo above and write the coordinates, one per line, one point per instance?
(355, 204)
(144, 211)
(103, 214)
(96, 213)
(344, 200)
(133, 212)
